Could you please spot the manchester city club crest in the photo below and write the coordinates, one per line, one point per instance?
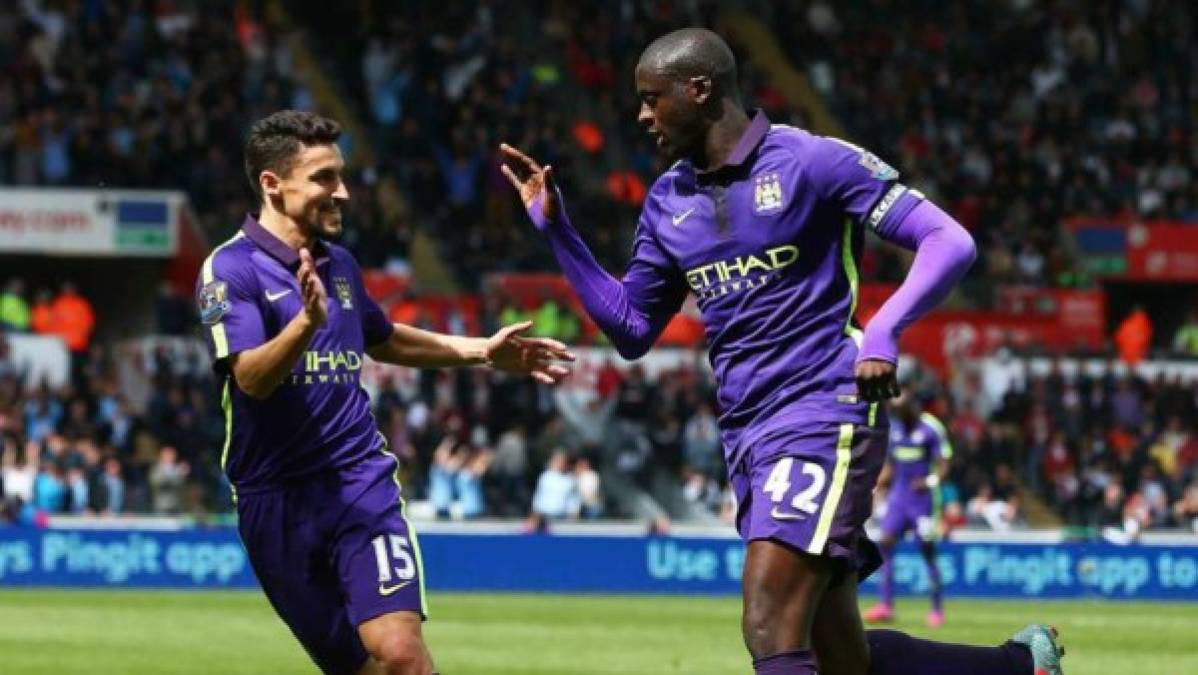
(767, 193)
(214, 302)
(344, 293)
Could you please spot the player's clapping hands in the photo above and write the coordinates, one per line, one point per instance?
(316, 302)
(507, 350)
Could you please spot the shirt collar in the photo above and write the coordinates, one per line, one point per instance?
(745, 145)
(277, 248)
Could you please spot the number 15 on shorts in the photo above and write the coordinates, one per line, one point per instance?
(802, 500)
(386, 557)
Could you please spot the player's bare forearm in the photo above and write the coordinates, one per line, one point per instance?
(506, 350)
(417, 348)
(259, 371)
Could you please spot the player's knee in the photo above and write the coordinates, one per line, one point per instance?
(765, 630)
(402, 655)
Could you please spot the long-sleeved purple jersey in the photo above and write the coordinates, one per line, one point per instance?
(769, 243)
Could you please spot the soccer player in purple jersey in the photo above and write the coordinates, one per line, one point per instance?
(764, 224)
(318, 500)
(918, 462)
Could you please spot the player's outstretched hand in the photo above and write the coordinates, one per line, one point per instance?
(316, 302)
(538, 357)
(876, 380)
(533, 182)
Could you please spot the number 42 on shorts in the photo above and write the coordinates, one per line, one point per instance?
(778, 486)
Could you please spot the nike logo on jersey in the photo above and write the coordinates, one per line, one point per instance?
(276, 295)
(677, 218)
(388, 590)
(784, 515)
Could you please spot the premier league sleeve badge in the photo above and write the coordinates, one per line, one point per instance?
(214, 302)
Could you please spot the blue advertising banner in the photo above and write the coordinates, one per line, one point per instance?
(598, 564)
(143, 559)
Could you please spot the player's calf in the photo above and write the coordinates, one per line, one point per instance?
(781, 593)
(395, 645)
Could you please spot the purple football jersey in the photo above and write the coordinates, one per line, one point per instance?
(319, 418)
(770, 244)
(914, 450)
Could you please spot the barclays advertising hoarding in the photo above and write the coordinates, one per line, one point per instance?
(597, 564)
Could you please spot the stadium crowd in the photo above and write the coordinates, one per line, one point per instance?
(1015, 116)
(1104, 449)
(1090, 115)
(160, 95)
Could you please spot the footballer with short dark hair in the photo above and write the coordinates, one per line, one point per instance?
(289, 323)
(765, 224)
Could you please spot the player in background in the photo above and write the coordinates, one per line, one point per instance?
(764, 224)
(289, 323)
(918, 462)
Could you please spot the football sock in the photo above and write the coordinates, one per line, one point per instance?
(895, 653)
(937, 596)
(797, 662)
(887, 589)
(929, 556)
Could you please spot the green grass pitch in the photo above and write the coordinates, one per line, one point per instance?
(163, 633)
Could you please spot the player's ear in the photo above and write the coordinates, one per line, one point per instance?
(700, 89)
(269, 182)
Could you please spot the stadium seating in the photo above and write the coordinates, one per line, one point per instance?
(102, 94)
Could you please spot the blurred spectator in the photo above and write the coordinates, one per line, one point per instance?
(448, 459)
(20, 472)
(1134, 336)
(701, 445)
(633, 453)
(8, 368)
(1060, 471)
(49, 488)
(509, 467)
(556, 496)
(73, 319)
(700, 488)
(1185, 340)
(996, 504)
(590, 489)
(112, 500)
(470, 482)
(167, 480)
(78, 491)
(14, 308)
(1185, 510)
(1113, 518)
(587, 416)
(42, 314)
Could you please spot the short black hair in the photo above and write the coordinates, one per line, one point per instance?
(692, 52)
(276, 140)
